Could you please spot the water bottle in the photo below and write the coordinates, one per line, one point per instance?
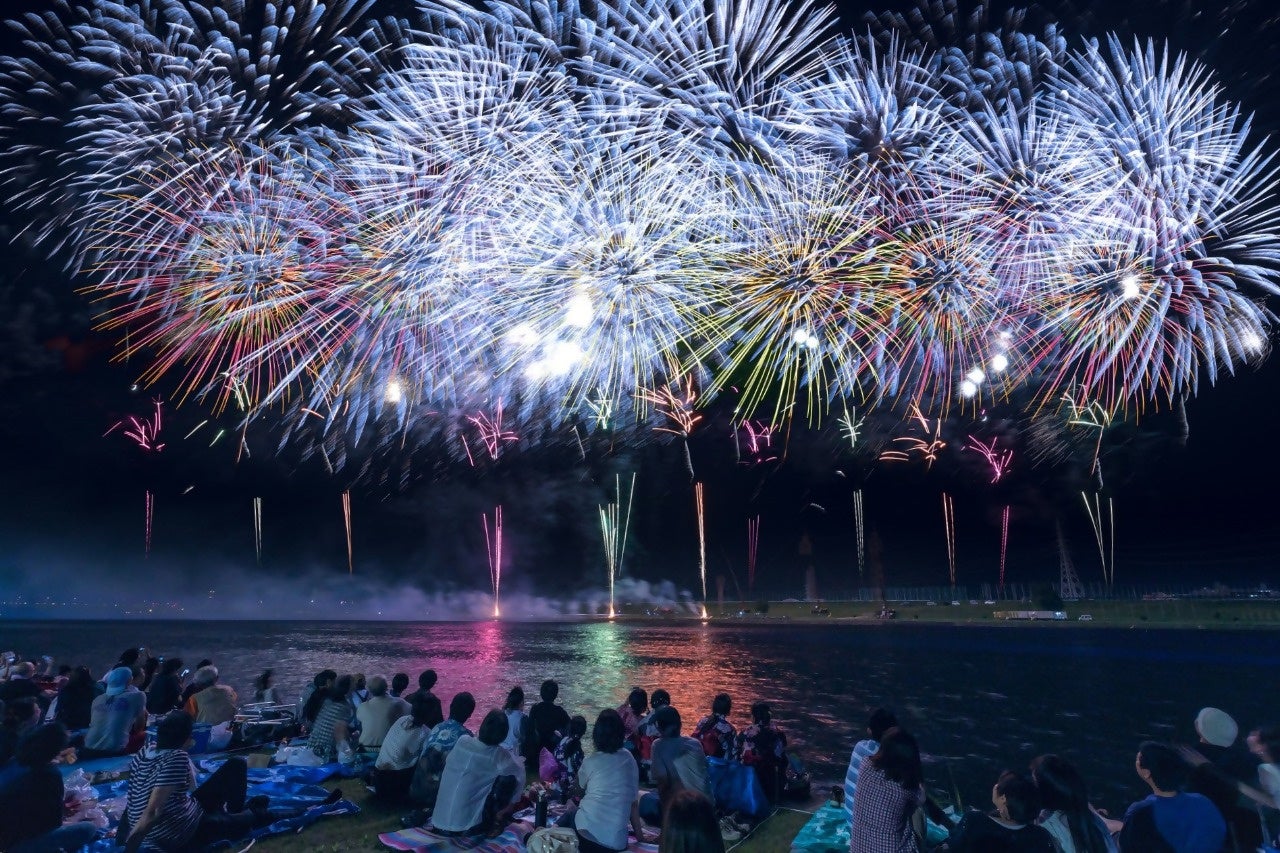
(540, 810)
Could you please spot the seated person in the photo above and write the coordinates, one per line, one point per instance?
(690, 824)
(308, 705)
(1220, 772)
(166, 688)
(610, 781)
(714, 731)
(569, 755)
(880, 721)
(75, 699)
(647, 732)
(117, 718)
(1011, 828)
(549, 722)
(377, 713)
(398, 756)
(31, 790)
(679, 764)
(1168, 820)
(763, 746)
(165, 808)
(632, 712)
(481, 784)
(435, 754)
(17, 718)
(332, 724)
(212, 703)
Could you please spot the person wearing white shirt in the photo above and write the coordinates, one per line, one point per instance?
(481, 782)
(610, 781)
(398, 757)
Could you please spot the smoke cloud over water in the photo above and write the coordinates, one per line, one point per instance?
(35, 586)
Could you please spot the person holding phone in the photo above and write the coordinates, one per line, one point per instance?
(166, 688)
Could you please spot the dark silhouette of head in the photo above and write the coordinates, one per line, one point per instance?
(493, 728)
(609, 732)
(461, 707)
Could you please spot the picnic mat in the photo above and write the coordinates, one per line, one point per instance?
(420, 839)
(828, 832)
(289, 788)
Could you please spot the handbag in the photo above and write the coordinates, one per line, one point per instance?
(553, 839)
(736, 787)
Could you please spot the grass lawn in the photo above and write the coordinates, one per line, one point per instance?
(354, 832)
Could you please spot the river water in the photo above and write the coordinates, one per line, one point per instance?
(979, 699)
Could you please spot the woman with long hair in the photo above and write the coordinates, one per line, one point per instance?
(165, 692)
(890, 789)
(76, 699)
(331, 724)
(1067, 815)
(518, 730)
(264, 688)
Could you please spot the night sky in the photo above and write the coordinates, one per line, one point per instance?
(71, 517)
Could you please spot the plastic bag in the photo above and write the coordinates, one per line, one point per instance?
(553, 839)
(219, 737)
(736, 787)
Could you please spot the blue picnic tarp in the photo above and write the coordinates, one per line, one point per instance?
(288, 788)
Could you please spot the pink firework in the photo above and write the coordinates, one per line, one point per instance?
(492, 433)
(998, 460)
(758, 442)
(144, 432)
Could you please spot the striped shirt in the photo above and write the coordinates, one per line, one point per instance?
(321, 737)
(180, 816)
(862, 750)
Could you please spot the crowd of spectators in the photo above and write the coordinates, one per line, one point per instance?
(632, 771)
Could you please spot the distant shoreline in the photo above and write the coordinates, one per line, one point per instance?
(1187, 614)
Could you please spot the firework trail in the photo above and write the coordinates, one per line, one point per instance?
(1090, 416)
(859, 523)
(753, 551)
(491, 432)
(145, 433)
(257, 530)
(702, 543)
(1104, 533)
(949, 528)
(346, 520)
(493, 546)
(675, 408)
(997, 460)
(149, 515)
(1004, 542)
(927, 449)
(851, 426)
(615, 546)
